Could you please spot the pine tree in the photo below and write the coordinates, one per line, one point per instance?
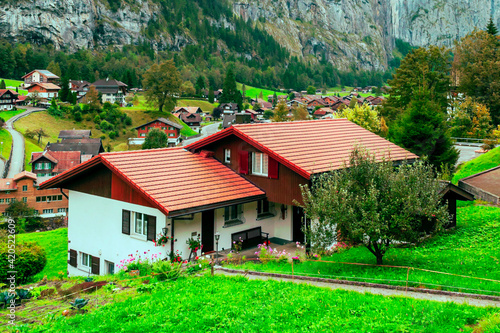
(491, 28)
(2, 85)
(211, 96)
(230, 93)
(65, 92)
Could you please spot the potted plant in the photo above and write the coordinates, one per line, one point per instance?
(161, 240)
(194, 245)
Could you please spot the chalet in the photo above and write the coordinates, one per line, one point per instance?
(330, 100)
(21, 100)
(113, 91)
(339, 105)
(240, 182)
(322, 112)
(40, 76)
(44, 90)
(8, 99)
(24, 187)
(171, 128)
(377, 101)
(311, 105)
(87, 147)
(187, 110)
(217, 94)
(484, 185)
(253, 114)
(75, 134)
(48, 163)
(235, 119)
(193, 120)
(229, 107)
(79, 87)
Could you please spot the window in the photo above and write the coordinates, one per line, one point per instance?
(25, 199)
(140, 224)
(232, 215)
(86, 259)
(48, 211)
(170, 128)
(227, 155)
(171, 134)
(259, 164)
(39, 166)
(47, 165)
(61, 210)
(264, 209)
(25, 188)
(7, 200)
(110, 267)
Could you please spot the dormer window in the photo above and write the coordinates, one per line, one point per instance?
(260, 163)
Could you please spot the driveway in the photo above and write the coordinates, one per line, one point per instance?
(205, 131)
(17, 154)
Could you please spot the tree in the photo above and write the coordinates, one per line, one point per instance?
(155, 139)
(230, 92)
(54, 68)
(311, 90)
(268, 114)
(281, 112)
(39, 133)
(211, 96)
(200, 85)
(65, 92)
(163, 85)
(363, 115)
(243, 91)
(370, 202)
(93, 99)
(422, 130)
(469, 119)
(256, 106)
(275, 99)
(353, 102)
(188, 88)
(427, 68)
(216, 113)
(491, 28)
(300, 113)
(476, 67)
(24, 215)
(2, 85)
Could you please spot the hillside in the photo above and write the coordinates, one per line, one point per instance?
(481, 163)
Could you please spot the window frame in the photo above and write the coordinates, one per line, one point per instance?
(233, 215)
(261, 165)
(25, 188)
(265, 209)
(85, 260)
(144, 225)
(227, 155)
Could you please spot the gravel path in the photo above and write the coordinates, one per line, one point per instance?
(379, 291)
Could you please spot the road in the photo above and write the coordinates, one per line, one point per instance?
(205, 131)
(467, 152)
(17, 154)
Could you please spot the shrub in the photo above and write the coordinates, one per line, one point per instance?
(103, 137)
(105, 125)
(78, 116)
(97, 119)
(167, 270)
(128, 121)
(30, 260)
(113, 135)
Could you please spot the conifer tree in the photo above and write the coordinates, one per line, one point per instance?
(491, 28)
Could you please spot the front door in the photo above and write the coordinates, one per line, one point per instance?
(207, 230)
(298, 222)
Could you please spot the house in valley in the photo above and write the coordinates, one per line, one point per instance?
(193, 120)
(40, 76)
(88, 147)
(74, 134)
(113, 91)
(24, 187)
(8, 99)
(48, 163)
(79, 87)
(45, 91)
(229, 108)
(171, 128)
(187, 110)
(243, 181)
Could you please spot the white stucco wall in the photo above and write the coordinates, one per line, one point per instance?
(95, 228)
(183, 230)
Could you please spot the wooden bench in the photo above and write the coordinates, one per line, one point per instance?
(251, 237)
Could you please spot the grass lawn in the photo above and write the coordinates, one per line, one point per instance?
(55, 243)
(12, 83)
(31, 146)
(235, 304)
(471, 249)
(205, 106)
(481, 163)
(6, 146)
(6, 115)
(253, 92)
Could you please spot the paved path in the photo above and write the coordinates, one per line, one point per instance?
(205, 131)
(467, 152)
(379, 291)
(18, 153)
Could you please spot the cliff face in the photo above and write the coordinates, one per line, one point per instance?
(345, 32)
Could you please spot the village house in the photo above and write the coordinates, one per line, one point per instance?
(172, 129)
(187, 110)
(484, 185)
(43, 90)
(240, 182)
(24, 187)
(88, 147)
(40, 76)
(229, 108)
(113, 91)
(48, 163)
(79, 87)
(8, 99)
(74, 134)
(319, 113)
(193, 120)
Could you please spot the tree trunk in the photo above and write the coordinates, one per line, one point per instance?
(380, 257)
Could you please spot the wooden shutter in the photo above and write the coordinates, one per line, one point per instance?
(151, 232)
(96, 264)
(126, 222)
(72, 257)
(244, 162)
(273, 167)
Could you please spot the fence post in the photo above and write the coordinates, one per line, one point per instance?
(212, 266)
(407, 275)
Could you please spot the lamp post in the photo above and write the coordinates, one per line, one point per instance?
(217, 237)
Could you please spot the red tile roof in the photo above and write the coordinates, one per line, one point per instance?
(64, 160)
(173, 179)
(310, 147)
(3, 91)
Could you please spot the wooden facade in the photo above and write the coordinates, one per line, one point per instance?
(283, 190)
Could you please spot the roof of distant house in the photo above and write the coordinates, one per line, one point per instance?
(488, 180)
(190, 109)
(109, 86)
(85, 146)
(74, 134)
(46, 86)
(192, 182)
(191, 118)
(3, 91)
(163, 120)
(44, 72)
(9, 184)
(324, 145)
(322, 111)
(64, 160)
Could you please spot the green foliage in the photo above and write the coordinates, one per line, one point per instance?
(79, 303)
(422, 130)
(26, 218)
(65, 94)
(211, 96)
(3, 85)
(274, 305)
(167, 271)
(29, 260)
(481, 163)
(370, 203)
(491, 28)
(311, 90)
(78, 116)
(231, 94)
(469, 119)
(268, 114)
(423, 68)
(364, 115)
(216, 113)
(163, 84)
(155, 139)
(280, 112)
